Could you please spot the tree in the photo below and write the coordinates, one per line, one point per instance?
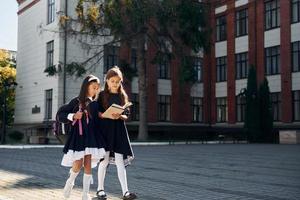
(266, 118)
(252, 118)
(174, 27)
(7, 74)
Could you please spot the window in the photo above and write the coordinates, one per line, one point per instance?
(296, 105)
(197, 109)
(111, 57)
(295, 11)
(276, 106)
(50, 54)
(51, 11)
(198, 69)
(135, 108)
(272, 60)
(221, 69)
(296, 56)
(48, 104)
(133, 59)
(164, 108)
(164, 68)
(240, 108)
(242, 65)
(241, 23)
(272, 17)
(221, 28)
(222, 109)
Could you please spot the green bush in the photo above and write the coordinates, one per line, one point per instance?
(16, 135)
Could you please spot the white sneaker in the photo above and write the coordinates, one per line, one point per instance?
(68, 188)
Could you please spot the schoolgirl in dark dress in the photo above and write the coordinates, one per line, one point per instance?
(118, 148)
(82, 148)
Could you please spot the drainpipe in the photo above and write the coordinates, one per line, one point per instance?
(65, 55)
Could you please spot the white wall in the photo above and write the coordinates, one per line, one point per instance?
(296, 81)
(197, 90)
(221, 49)
(272, 37)
(242, 44)
(221, 89)
(164, 87)
(274, 83)
(240, 84)
(221, 9)
(295, 32)
(240, 3)
(31, 79)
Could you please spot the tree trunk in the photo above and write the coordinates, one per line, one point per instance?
(143, 105)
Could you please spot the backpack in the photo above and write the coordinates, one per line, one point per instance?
(61, 128)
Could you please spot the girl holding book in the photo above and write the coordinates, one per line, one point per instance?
(118, 148)
(82, 148)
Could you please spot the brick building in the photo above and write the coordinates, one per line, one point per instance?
(263, 33)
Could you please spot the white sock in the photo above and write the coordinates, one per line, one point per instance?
(121, 172)
(87, 181)
(72, 176)
(70, 183)
(101, 173)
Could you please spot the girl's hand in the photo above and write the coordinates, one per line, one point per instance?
(116, 115)
(100, 115)
(77, 115)
(124, 117)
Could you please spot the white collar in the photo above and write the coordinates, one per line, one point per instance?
(91, 98)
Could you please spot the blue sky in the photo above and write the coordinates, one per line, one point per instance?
(8, 24)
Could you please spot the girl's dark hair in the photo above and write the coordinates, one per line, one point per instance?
(115, 71)
(84, 90)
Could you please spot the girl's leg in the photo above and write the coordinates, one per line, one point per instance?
(87, 178)
(74, 171)
(123, 177)
(101, 175)
(88, 164)
(121, 172)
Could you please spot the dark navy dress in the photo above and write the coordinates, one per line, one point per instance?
(85, 142)
(115, 132)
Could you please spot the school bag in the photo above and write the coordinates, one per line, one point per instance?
(61, 127)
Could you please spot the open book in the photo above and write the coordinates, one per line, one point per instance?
(114, 108)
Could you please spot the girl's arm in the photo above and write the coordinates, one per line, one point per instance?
(66, 112)
(100, 107)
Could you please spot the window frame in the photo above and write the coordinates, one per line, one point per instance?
(295, 3)
(111, 53)
(293, 53)
(221, 103)
(221, 69)
(50, 11)
(296, 101)
(197, 109)
(241, 65)
(164, 69)
(272, 11)
(276, 99)
(164, 103)
(271, 54)
(240, 108)
(50, 53)
(221, 28)
(241, 23)
(48, 104)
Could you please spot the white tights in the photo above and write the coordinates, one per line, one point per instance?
(120, 168)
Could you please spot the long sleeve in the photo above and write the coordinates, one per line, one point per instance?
(66, 112)
(100, 103)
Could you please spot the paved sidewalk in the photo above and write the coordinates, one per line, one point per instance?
(190, 172)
